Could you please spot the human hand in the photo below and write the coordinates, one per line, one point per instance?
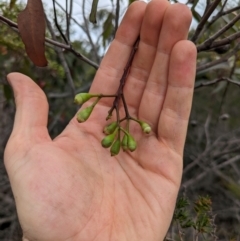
(70, 188)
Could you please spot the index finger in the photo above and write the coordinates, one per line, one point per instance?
(112, 66)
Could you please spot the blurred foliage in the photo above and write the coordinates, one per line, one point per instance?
(213, 134)
(194, 219)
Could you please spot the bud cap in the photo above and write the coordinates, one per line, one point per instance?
(82, 98)
(109, 129)
(146, 128)
(115, 147)
(132, 144)
(108, 140)
(84, 114)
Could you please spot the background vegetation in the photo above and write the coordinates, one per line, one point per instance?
(209, 199)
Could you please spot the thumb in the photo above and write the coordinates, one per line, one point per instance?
(30, 124)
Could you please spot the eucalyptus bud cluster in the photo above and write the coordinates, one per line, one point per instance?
(113, 139)
(116, 137)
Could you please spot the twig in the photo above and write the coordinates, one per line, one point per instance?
(180, 235)
(117, 15)
(230, 151)
(67, 20)
(204, 20)
(69, 48)
(218, 61)
(62, 59)
(57, 25)
(202, 174)
(196, 235)
(210, 40)
(120, 94)
(213, 82)
(84, 88)
(86, 30)
(206, 130)
(228, 162)
(226, 88)
(205, 46)
(201, 156)
(221, 13)
(70, 12)
(213, 63)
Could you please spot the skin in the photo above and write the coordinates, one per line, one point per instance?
(70, 188)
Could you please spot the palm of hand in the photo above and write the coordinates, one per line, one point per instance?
(71, 188)
(94, 196)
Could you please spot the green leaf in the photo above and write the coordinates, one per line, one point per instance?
(93, 14)
(12, 3)
(107, 28)
(130, 1)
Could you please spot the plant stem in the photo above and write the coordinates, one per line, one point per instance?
(120, 94)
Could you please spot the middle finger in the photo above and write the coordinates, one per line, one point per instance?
(175, 27)
(144, 57)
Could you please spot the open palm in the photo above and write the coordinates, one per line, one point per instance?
(70, 188)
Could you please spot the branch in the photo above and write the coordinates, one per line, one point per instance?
(180, 234)
(227, 86)
(206, 130)
(231, 10)
(70, 11)
(69, 48)
(204, 20)
(221, 13)
(86, 30)
(57, 25)
(82, 89)
(67, 21)
(211, 64)
(220, 144)
(206, 170)
(230, 161)
(218, 61)
(210, 40)
(120, 94)
(117, 16)
(213, 82)
(205, 46)
(62, 59)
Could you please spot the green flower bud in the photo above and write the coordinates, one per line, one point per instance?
(82, 98)
(109, 139)
(109, 129)
(145, 127)
(132, 144)
(125, 142)
(84, 114)
(115, 147)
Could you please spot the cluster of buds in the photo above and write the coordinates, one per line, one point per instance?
(113, 139)
(113, 131)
